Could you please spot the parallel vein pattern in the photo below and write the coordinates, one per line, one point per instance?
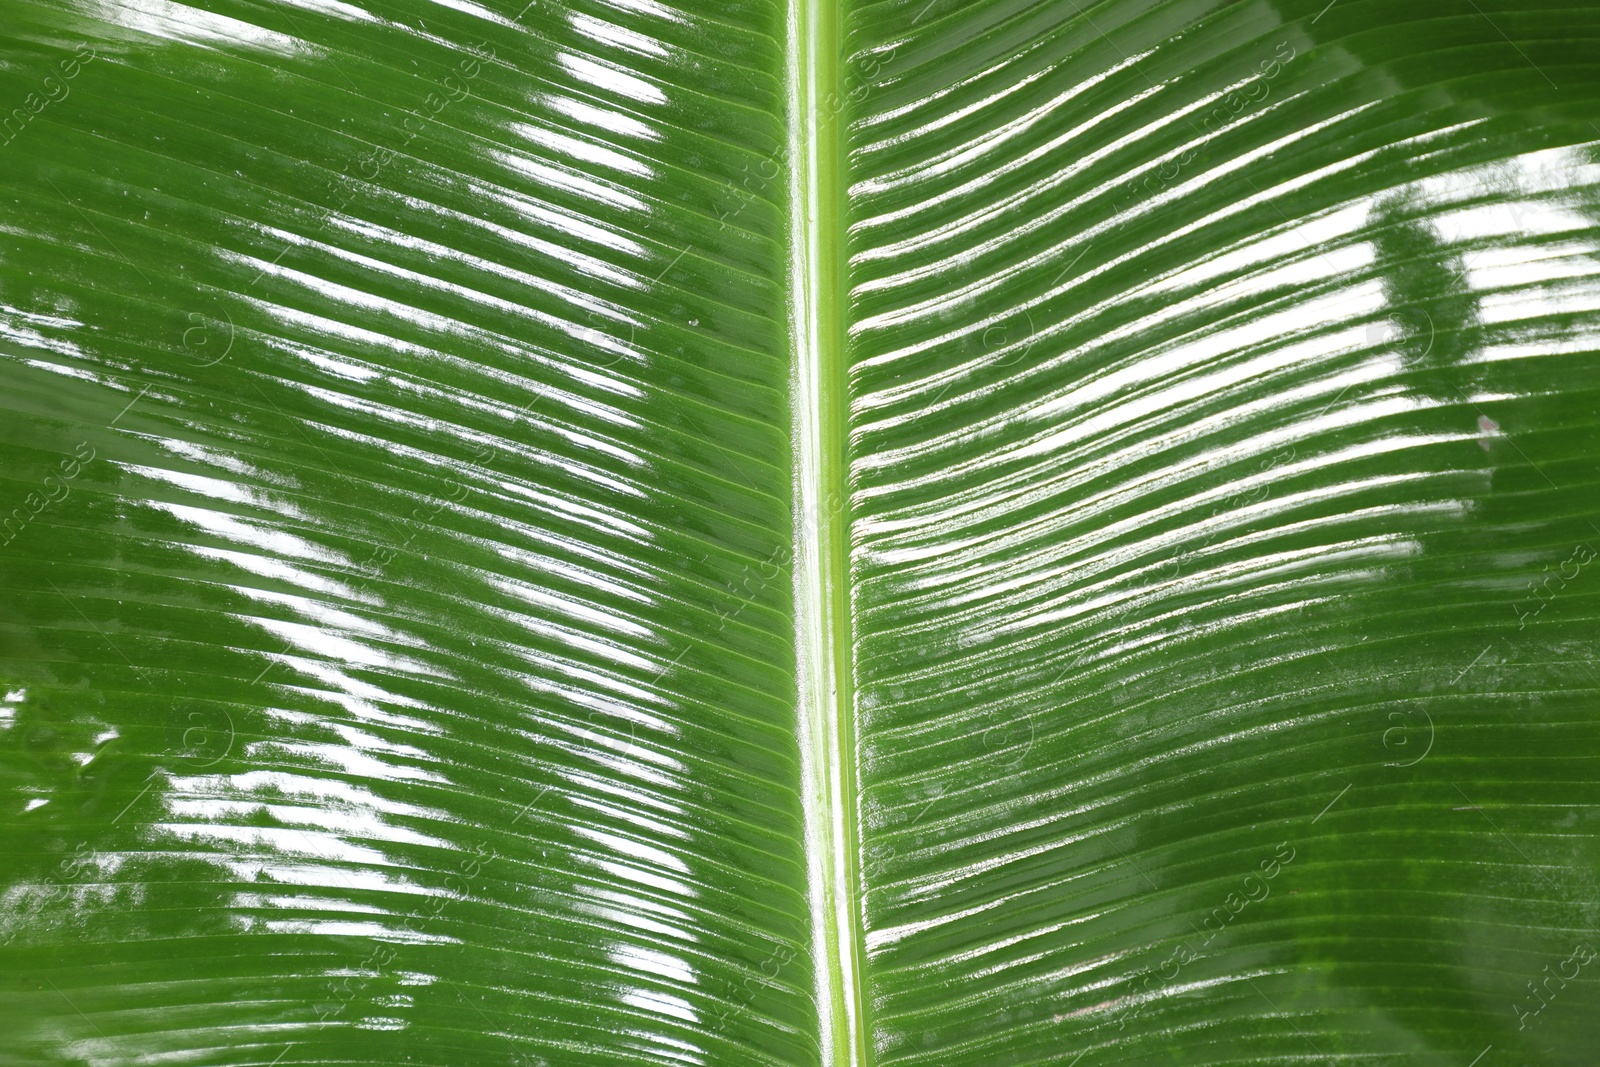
(1223, 387)
(404, 671)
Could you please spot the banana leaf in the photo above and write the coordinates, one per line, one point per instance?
(926, 532)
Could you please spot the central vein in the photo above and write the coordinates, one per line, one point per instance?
(816, 269)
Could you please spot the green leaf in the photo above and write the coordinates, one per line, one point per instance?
(621, 532)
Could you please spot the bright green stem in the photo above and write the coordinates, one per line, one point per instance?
(822, 523)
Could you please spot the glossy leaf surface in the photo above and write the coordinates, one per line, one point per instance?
(940, 533)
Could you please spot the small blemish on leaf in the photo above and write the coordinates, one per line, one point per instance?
(1487, 428)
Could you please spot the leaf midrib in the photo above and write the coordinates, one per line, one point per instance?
(823, 638)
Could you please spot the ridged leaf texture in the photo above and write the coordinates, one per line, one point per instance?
(928, 532)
